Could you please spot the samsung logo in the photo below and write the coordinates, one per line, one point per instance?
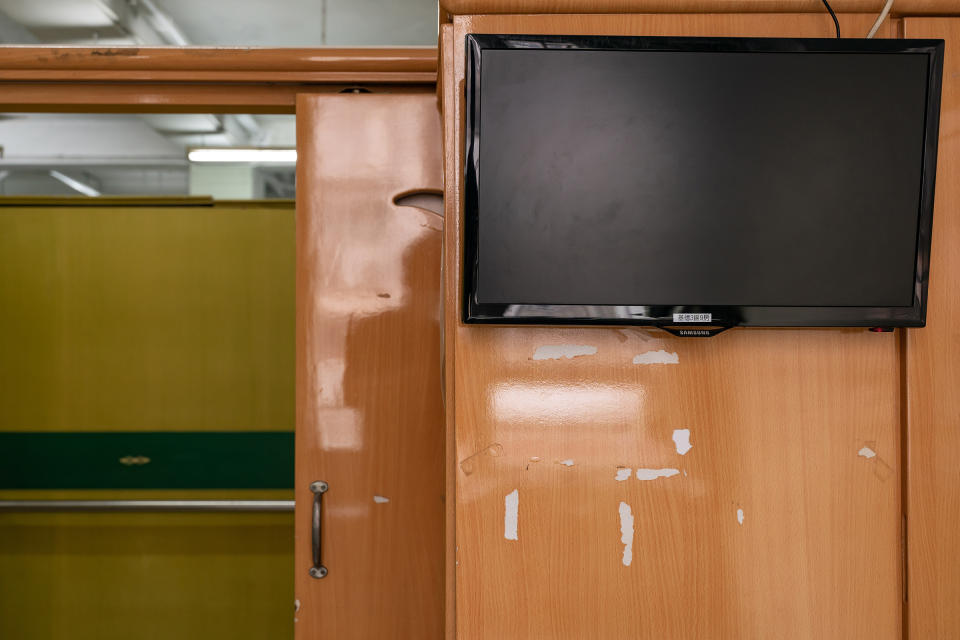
(695, 332)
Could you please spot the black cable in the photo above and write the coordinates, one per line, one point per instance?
(832, 15)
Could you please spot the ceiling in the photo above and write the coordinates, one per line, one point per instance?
(282, 23)
(137, 154)
(146, 154)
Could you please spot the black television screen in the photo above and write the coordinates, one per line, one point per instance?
(718, 181)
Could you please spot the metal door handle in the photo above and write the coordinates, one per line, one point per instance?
(318, 488)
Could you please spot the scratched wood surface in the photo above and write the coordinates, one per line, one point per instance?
(933, 378)
(369, 415)
(778, 420)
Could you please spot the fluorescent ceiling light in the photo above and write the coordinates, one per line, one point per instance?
(57, 13)
(74, 184)
(288, 156)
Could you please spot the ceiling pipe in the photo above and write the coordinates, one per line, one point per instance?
(73, 183)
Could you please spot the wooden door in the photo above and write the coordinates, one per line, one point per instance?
(369, 415)
(580, 510)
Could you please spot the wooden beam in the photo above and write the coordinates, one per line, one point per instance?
(900, 8)
(192, 78)
(137, 97)
(202, 64)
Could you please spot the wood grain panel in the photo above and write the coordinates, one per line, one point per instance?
(777, 418)
(70, 79)
(369, 412)
(221, 64)
(900, 8)
(447, 88)
(151, 97)
(145, 314)
(718, 24)
(113, 576)
(932, 381)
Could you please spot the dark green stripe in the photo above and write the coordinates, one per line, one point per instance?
(177, 460)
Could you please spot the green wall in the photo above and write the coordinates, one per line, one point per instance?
(145, 315)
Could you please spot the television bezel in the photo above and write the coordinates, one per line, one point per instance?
(720, 316)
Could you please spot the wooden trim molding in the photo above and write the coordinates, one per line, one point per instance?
(900, 8)
(142, 97)
(201, 64)
(255, 80)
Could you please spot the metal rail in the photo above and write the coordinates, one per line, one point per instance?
(48, 506)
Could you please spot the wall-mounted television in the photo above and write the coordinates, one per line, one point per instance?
(699, 181)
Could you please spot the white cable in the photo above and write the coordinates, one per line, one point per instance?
(883, 16)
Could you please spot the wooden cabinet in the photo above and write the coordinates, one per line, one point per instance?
(818, 498)
(578, 513)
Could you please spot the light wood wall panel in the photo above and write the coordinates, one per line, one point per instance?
(932, 381)
(777, 419)
(900, 8)
(369, 406)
